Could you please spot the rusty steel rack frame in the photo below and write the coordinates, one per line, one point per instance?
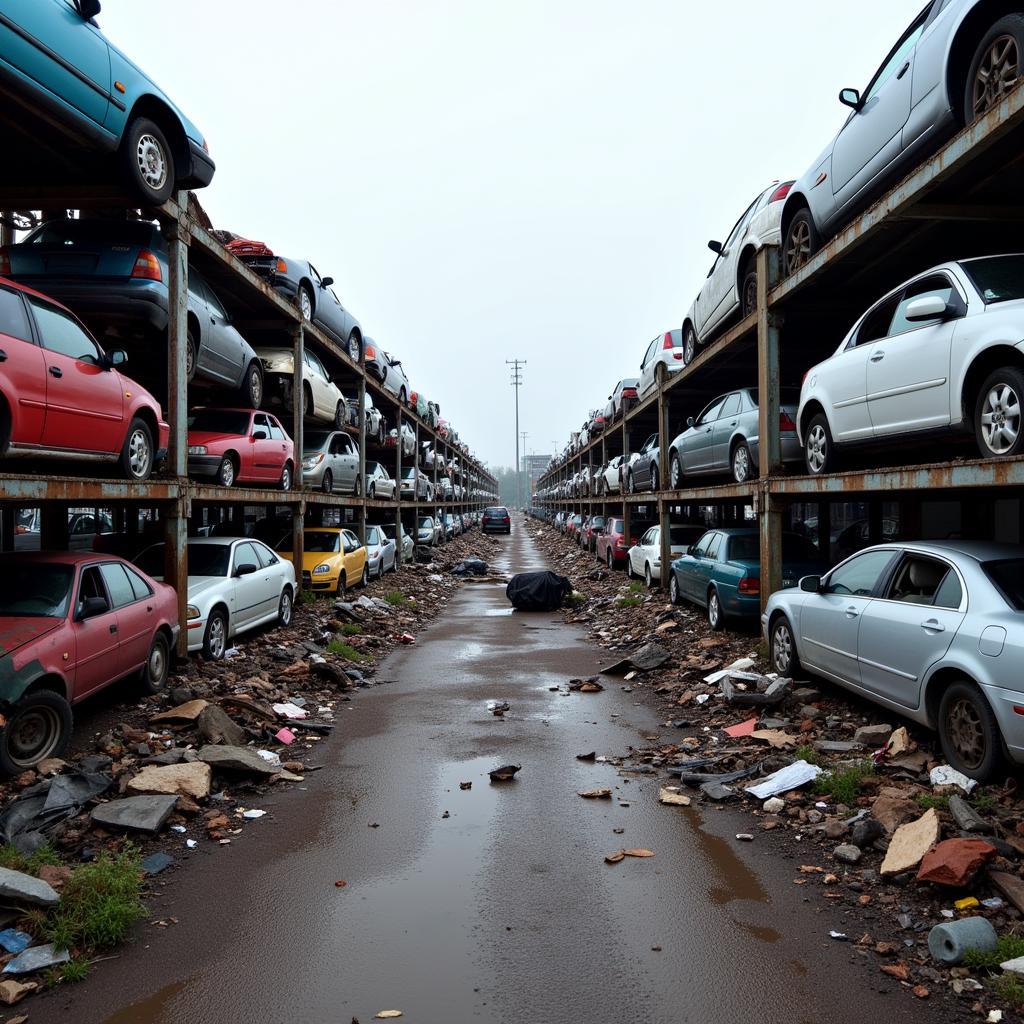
(943, 203)
(173, 496)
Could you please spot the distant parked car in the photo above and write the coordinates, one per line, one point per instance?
(954, 64)
(330, 462)
(114, 274)
(63, 397)
(642, 470)
(593, 529)
(58, 67)
(730, 290)
(644, 558)
(376, 425)
(666, 348)
(931, 630)
(445, 489)
(407, 543)
(378, 482)
(408, 437)
(623, 395)
(234, 584)
(232, 446)
(322, 399)
(387, 370)
(722, 571)
(415, 485)
(333, 558)
(496, 520)
(380, 551)
(429, 531)
(724, 438)
(450, 527)
(940, 353)
(612, 546)
(70, 625)
(608, 477)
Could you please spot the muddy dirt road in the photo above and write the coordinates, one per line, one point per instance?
(492, 904)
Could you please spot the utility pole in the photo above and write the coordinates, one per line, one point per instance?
(517, 383)
(526, 476)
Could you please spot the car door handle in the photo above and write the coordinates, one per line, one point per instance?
(113, 629)
(903, 70)
(877, 357)
(3, 356)
(933, 626)
(56, 371)
(851, 612)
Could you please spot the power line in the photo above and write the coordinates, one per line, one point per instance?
(517, 383)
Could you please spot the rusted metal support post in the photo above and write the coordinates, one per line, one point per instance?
(298, 522)
(298, 409)
(398, 483)
(177, 236)
(769, 448)
(53, 527)
(7, 528)
(361, 489)
(176, 563)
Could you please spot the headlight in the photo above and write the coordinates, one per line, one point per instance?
(312, 461)
(192, 612)
(321, 569)
(197, 449)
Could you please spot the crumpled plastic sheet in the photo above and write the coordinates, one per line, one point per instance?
(794, 775)
(945, 775)
(28, 819)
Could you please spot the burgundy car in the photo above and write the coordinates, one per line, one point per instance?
(592, 529)
(72, 623)
(613, 545)
(240, 446)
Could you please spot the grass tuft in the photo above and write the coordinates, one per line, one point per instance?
(809, 754)
(345, 650)
(307, 597)
(931, 802)
(636, 587)
(74, 971)
(1008, 947)
(351, 629)
(397, 599)
(1010, 989)
(14, 860)
(629, 602)
(844, 785)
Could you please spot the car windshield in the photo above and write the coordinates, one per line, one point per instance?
(425, 522)
(371, 468)
(1008, 577)
(314, 440)
(220, 421)
(321, 543)
(997, 278)
(208, 559)
(615, 526)
(36, 589)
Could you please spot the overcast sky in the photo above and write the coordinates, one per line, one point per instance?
(488, 179)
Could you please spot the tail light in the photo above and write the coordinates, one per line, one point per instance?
(147, 267)
(677, 355)
(632, 542)
(750, 586)
(629, 392)
(282, 266)
(5, 263)
(781, 192)
(370, 353)
(786, 421)
(667, 343)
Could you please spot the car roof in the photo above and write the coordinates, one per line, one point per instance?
(978, 550)
(218, 541)
(58, 557)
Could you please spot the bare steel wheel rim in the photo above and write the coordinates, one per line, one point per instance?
(218, 636)
(157, 663)
(227, 473)
(190, 358)
(673, 590)
(286, 608)
(353, 349)
(782, 646)
(33, 735)
(750, 294)
(152, 162)
(996, 75)
(741, 464)
(798, 247)
(713, 609)
(966, 733)
(139, 454)
(1000, 419)
(675, 474)
(305, 304)
(286, 479)
(255, 387)
(817, 448)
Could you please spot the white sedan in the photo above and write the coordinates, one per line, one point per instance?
(380, 551)
(321, 397)
(234, 584)
(644, 557)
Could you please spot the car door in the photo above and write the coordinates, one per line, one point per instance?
(276, 573)
(830, 620)
(23, 369)
(84, 400)
(58, 49)
(699, 448)
(871, 139)
(719, 296)
(344, 460)
(266, 461)
(136, 614)
(251, 591)
(910, 628)
(647, 368)
(324, 401)
(908, 371)
(223, 354)
(722, 431)
(97, 639)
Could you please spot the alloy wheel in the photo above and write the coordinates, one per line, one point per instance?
(305, 304)
(817, 448)
(255, 387)
(218, 637)
(798, 246)
(673, 590)
(226, 475)
(741, 464)
(689, 346)
(140, 456)
(152, 162)
(966, 733)
(284, 613)
(1000, 419)
(782, 648)
(996, 75)
(157, 662)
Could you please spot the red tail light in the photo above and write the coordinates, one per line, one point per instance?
(632, 542)
(505, 520)
(747, 585)
(677, 355)
(5, 263)
(781, 192)
(147, 266)
(667, 343)
(370, 353)
(629, 392)
(786, 422)
(282, 267)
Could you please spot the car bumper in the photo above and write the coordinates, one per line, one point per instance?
(325, 582)
(200, 174)
(789, 446)
(314, 477)
(203, 465)
(740, 606)
(1011, 724)
(119, 303)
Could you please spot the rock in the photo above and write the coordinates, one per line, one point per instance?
(810, 712)
(955, 861)
(157, 862)
(187, 712)
(806, 694)
(37, 958)
(965, 816)
(773, 805)
(51, 766)
(847, 853)
(899, 742)
(54, 876)
(236, 759)
(650, 656)
(836, 746)
(215, 725)
(892, 808)
(95, 763)
(136, 813)
(180, 695)
(716, 791)
(189, 779)
(17, 887)
(911, 842)
(873, 735)
(834, 828)
(866, 832)
(12, 992)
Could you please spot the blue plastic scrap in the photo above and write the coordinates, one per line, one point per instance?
(14, 941)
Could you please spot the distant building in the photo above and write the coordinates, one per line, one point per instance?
(533, 467)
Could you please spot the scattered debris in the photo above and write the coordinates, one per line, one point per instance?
(505, 773)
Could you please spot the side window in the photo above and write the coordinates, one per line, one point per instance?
(316, 365)
(140, 587)
(60, 333)
(91, 585)
(649, 353)
(265, 555)
(118, 585)
(83, 525)
(711, 413)
(245, 554)
(876, 323)
(917, 580)
(13, 318)
(714, 546)
(260, 422)
(731, 407)
(276, 430)
(939, 285)
(950, 593)
(897, 59)
(859, 575)
(216, 306)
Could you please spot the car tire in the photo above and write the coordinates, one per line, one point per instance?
(38, 726)
(252, 387)
(655, 474)
(968, 731)
(355, 348)
(611, 560)
(402, 397)
(327, 483)
(340, 591)
(191, 357)
(818, 446)
(304, 300)
(648, 576)
(372, 492)
(157, 667)
(675, 472)
(147, 162)
(1001, 401)
(366, 574)
(285, 483)
(748, 287)
(673, 590)
(215, 637)
(996, 67)
(381, 434)
(742, 463)
(801, 242)
(689, 345)
(782, 648)
(630, 486)
(285, 607)
(307, 402)
(137, 452)
(226, 472)
(339, 416)
(716, 617)
(357, 487)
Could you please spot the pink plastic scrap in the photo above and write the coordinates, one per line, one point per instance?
(285, 736)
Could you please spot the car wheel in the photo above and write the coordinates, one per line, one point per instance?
(654, 478)
(381, 434)
(675, 472)
(190, 357)
(215, 639)
(630, 487)
(673, 590)
(373, 492)
(304, 300)
(801, 242)
(154, 673)
(354, 348)
(147, 162)
(648, 576)
(366, 574)
(611, 561)
(137, 453)
(402, 397)
(783, 656)
(716, 620)
(818, 446)
(997, 413)
(357, 488)
(252, 389)
(38, 726)
(968, 731)
(996, 67)
(689, 345)
(284, 607)
(226, 472)
(741, 463)
(286, 477)
(341, 584)
(748, 288)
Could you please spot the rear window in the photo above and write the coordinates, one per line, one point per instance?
(496, 512)
(56, 232)
(220, 421)
(798, 549)
(1008, 577)
(615, 526)
(13, 319)
(997, 278)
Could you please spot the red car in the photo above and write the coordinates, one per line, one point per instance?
(612, 545)
(72, 623)
(592, 529)
(61, 395)
(240, 446)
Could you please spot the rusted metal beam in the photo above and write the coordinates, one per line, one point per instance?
(768, 408)
(963, 212)
(176, 234)
(176, 566)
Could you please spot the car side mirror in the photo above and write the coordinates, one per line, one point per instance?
(326, 282)
(811, 584)
(246, 569)
(88, 9)
(117, 358)
(689, 421)
(851, 98)
(259, 435)
(927, 307)
(91, 607)
(716, 247)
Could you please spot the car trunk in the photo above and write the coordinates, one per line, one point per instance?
(76, 249)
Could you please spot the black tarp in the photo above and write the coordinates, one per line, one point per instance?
(538, 591)
(29, 818)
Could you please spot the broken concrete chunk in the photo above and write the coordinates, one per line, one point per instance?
(717, 791)
(847, 853)
(12, 991)
(187, 712)
(836, 746)
(671, 795)
(191, 779)
(966, 816)
(911, 842)
(215, 725)
(873, 735)
(955, 862)
(157, 862)
(17, 887)
(236, 759)
(892, 808)
(773, 694)
(137, 813)
(650, 656)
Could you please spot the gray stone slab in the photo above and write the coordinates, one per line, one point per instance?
(17, 887)
(136, 813)
(236, 759)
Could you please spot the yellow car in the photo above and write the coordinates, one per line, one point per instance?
(332, 559)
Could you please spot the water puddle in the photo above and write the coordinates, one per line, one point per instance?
(735, 880)
(150, 1010)
(492, 612)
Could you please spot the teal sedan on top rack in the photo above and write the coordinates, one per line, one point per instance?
(59, 68)
(722, 572)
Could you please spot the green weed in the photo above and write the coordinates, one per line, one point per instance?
(928, 801)
(17, 861)
(307, 597)
(1010, 989)
(844, 785)
(351, 629)
(1008, 947)
(74, 970)
(345, 650)
(397, 599)
(809, 754)
(637, 587)
(629, 602)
